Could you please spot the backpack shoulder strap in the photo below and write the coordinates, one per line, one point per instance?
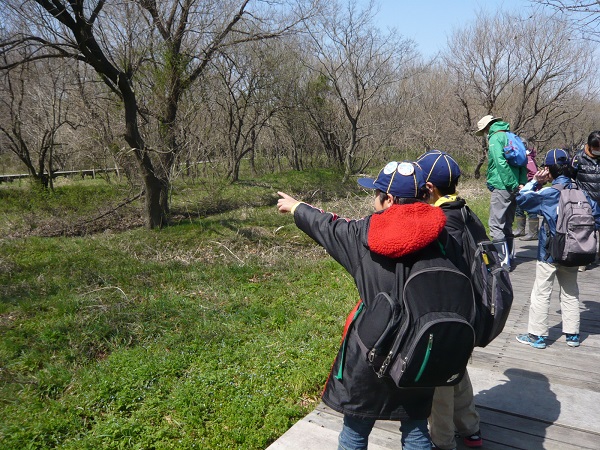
(401, 273)
(466, 214)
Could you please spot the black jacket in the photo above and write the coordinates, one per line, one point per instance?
(369, 250)
(587, 174)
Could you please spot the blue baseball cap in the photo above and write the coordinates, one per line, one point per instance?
(401, 179)
(439, 168)
(556, 156)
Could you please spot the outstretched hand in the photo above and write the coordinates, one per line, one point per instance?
(286, 202)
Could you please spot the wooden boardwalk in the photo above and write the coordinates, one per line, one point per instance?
(527, 398)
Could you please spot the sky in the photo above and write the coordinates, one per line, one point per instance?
(429, 22)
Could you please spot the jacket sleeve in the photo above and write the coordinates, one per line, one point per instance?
(595, 210)
(523, 179)
(530, 200)
(575, 164)
(342, 238)
(505, 173)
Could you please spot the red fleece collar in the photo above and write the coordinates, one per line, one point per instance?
(404, 229)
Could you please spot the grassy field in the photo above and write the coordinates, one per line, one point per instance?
(215, 333)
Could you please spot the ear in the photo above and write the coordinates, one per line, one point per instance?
(389, 201)
(430, 187)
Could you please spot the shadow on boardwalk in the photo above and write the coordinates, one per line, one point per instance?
(527, 398)
(537, 394)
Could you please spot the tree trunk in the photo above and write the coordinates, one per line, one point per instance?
(477, 173)
(349, 156)
(155, 189)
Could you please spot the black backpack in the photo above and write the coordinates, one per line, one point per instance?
(491, 281)
(421, 334)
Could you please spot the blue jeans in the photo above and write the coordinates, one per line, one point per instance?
(355, 434)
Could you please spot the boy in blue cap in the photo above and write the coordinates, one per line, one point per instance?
(544, 201)
(453, 406)
(370, 249)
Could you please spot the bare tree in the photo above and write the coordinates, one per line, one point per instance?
(360, 62)
(527, 74)
(584, 15)
(427, 109)
(181, 37)
(244, 102)
(34, 107)
(291, 136)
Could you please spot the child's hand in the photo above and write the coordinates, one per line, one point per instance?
(542, 176)
(285, 203)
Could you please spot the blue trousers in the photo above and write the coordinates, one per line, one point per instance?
(355, 434)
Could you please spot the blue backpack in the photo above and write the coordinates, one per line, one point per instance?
(515, 151)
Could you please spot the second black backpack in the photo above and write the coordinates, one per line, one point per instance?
(491, 281)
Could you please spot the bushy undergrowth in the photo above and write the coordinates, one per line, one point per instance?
(215, 333)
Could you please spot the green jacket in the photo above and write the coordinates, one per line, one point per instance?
(500, 174)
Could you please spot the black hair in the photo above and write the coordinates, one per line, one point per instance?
(382, 195)
(448, 190)
(557, 170)
(594, 139)
(407, 201)
(422, 195)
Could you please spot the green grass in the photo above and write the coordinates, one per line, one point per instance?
(217, 333)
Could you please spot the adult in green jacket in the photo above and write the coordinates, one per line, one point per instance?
(504, 181)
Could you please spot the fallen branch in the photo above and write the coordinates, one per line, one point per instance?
(111, 211)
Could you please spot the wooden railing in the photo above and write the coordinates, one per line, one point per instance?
(61, 173)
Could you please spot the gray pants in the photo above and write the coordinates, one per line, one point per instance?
(503, 205)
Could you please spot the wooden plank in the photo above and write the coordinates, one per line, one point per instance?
(320, 429)
(497, 422)
(553, 373)
(503, 438)
(306, 435)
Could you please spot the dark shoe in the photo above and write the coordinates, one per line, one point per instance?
(473, 441)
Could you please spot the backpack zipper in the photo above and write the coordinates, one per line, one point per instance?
(413, 347)
(426, 358)
(343, 351)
